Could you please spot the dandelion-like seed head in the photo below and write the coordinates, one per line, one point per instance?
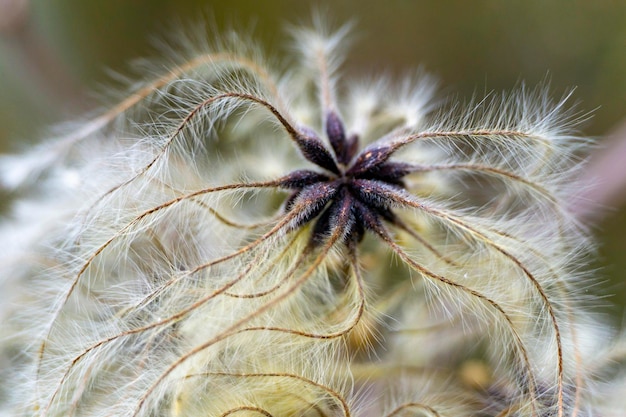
(235, 238)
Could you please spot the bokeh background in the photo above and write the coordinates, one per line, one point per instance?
(55, 55)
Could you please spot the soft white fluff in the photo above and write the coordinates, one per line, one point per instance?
(149, 268)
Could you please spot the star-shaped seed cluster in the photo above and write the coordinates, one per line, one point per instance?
(355, 191)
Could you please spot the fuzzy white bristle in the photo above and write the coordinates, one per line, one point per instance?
(152, 266)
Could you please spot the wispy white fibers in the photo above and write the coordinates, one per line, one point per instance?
(241, 237)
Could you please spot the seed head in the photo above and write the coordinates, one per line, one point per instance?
(234, 237)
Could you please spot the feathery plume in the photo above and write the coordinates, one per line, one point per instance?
(235, 237)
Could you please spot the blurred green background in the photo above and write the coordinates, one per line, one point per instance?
(55, 53)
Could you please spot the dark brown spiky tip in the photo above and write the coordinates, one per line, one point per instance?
(355, 193)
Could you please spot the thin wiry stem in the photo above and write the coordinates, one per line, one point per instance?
(481, 237)
(219, 216)
(400, 224)
(380, 231)
(347, 328)
(535, 283)
(569, 311)
(141, 94)
(163, 322)
(418, 406)
(235, 328)
(280, 226)
(182, 313)
(271, 264)
(468, 134)
(332, 393)
(133, 223)
(360, 292)
(479, 168)
(276, 229)
(247, 408)
(224, 220)
(504, 175)
(291, 130)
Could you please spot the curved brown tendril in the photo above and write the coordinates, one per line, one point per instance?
(226, 221)
(293, 134)
(478, 168)
(470, 133)
(232, 223)
(551, 198)
(220, 217)
(538, 287)
(399, 223)
(419, 406)
(360, 292)
(334, 394)
(271, 265)
(386, 146)
(276, 229)
(187, 66)
(173, 318)
(569, 310)
(342, 222)
(336, 334)
(380, 231)
(488, 170)
(181, 313)
(142, 216)
(282, 224)
(133, 99)
(247, 408)
(405, 200)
